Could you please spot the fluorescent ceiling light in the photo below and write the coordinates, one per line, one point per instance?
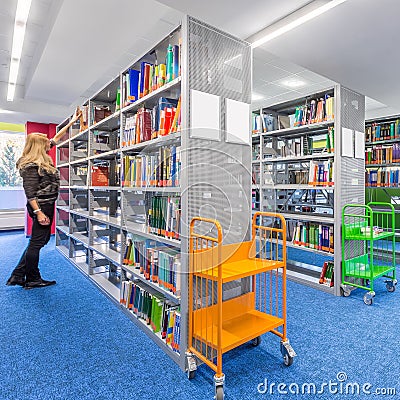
(21, 16)
(256, 97)
(297, 22)
(292, 83)
(6, 111)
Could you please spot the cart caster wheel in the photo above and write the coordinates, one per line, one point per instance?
(344, 292)
(219, 393)
(368, 298)
(287, 360)
(288, 353)
(191, 365)
(390, 288)
(391, 285)
(256, 341)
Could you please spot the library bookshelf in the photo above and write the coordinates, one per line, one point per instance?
(142, 163)
(305, 166)
(382, 162)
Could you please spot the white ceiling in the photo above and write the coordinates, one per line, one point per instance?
(73, 48)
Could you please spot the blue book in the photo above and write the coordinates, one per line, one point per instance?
(175, 67)
(133, 94)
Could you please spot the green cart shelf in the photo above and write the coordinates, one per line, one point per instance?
(368, 247)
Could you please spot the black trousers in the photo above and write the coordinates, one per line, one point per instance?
(28, 265)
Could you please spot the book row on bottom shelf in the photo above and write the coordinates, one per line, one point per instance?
(162, 317)
(312, 235)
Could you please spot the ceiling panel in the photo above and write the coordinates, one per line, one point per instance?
(354, 44)
(92, 51)
(237, 17)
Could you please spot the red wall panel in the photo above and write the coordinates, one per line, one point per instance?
(49, 130)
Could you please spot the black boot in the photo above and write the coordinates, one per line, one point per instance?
(39, 283)
(15, 280)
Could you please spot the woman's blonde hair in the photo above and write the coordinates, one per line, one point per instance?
(35, 152)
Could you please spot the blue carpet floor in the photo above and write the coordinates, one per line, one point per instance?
(70, 342)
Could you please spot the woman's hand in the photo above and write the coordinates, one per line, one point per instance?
(77, 115)
(42, 218)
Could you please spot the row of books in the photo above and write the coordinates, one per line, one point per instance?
(383, 154)
(382, 177)
(321, 173)
(313, 236)
(161, 169)
(382, 131)
(316, 111)
(164, 216)
(158, 264)
(150, 77)
(146, 124)
(162, 317)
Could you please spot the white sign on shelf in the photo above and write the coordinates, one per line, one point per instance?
(204, 116)
(347, 143)
(359, 144)
(237, 122)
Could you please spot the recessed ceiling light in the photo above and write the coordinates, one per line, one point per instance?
(256, 97)
(293, 22)
(21, 17)
(292, 83)
(6, 111)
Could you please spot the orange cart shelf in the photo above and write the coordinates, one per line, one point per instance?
(231, 271)
(239, 328)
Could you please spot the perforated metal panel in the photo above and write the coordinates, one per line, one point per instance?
(350, 175)
(218, 174)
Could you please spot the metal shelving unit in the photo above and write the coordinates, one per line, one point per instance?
(98, 220)
(285, 156)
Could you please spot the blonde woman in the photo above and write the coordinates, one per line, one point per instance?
(41, 184)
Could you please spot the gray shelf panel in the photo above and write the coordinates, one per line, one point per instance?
(79, 162)
(77, 136)
(169, 189)
(105, 188)
(298, 158)
(308, 281)
(80, 238)
(114, 221)
(307, 217)
(111, 122)
(64, 251)
(105, 156)
(63, 229)
(162, 90)
(155, 286)
(288, 244)
(296, 186)
(77, 187)
(387, 141)
(141, 230)
(105, 251)
(382, 187)
(106, 285)
(154, 143)
(82, 213)
(396, 164)
(319, 126)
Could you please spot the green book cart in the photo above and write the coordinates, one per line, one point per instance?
(368, 248)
